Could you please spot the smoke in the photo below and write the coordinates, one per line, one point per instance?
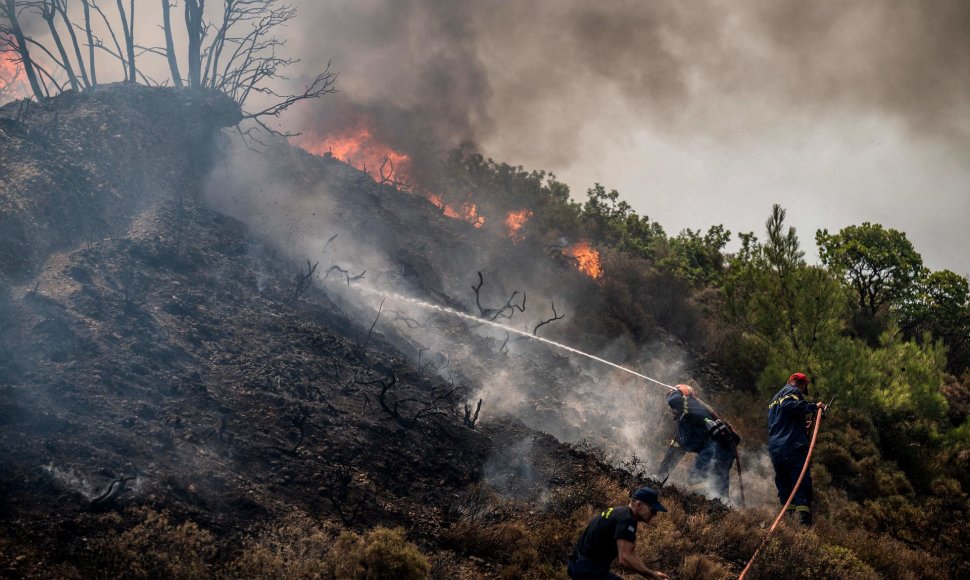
(700, 112)
(534, 72)
(298, 203)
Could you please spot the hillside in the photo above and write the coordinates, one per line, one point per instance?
(177, 400)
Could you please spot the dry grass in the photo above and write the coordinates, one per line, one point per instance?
(157, 547)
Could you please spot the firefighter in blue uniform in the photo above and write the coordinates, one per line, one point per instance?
(788, 444)
(700, 432)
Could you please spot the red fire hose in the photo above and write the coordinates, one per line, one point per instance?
(811, 447)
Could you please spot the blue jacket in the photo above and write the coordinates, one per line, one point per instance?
(692, 433)
(786, 421)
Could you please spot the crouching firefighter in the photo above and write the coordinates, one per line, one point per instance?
(612, 535)
(788, 444)
(700, 431)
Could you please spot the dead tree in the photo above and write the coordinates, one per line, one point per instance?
(555, 316)
(129, 32)
(173, 63)
(471, 419)
(491, 314)
(48, 10)
(114, 488)
(86, 4)
(237, 53)
(373, 324)
(304, 280)
(408, 411)
(17, 41)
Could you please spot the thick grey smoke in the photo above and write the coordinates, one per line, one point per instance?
(699, 112)
(468, 70)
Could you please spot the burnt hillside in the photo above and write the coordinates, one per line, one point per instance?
(159, 375)
(220, 362)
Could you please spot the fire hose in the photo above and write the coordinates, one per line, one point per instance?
(784, 508)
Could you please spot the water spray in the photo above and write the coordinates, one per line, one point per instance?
(500, 326)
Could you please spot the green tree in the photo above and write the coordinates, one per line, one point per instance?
(698, 258)
(879, 263)
(788, 309)
(940, 305)
(612, 221)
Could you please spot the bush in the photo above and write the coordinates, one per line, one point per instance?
(158, 548)
(799, 553)
(701, 567)
(293, 549)
(380, 554)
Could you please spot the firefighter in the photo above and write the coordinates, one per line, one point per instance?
(612, 535)
(700, 432)
(788, 444)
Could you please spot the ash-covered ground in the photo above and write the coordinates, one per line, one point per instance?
(167, 345)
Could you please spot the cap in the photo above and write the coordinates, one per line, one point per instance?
(798, 377)
(650, 497)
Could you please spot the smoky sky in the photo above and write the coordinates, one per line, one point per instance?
(697, 112)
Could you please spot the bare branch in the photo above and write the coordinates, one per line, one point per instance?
(555, 316)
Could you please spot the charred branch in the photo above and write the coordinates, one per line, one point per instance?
(114, 488)
(492, 314)
(409, 411)
(373, 324)
(304, 280)
(346, 273)
(471, 419)
(19, 44)
(555, 316)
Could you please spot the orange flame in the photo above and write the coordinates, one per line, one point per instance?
(359, 147)
(12, 85)
(467, 211)
(514, 223)
(587, 259)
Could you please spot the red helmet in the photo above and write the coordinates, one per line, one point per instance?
(798, 377)
(686, 390)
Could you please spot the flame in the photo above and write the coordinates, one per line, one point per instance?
(467, 211)
(587, 259)
(12, 80)
(514, 223)
(358, 147)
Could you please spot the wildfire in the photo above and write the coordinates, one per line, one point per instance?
(467, 211)
(514, 223)
(11, 78)
(587, 259)
(359, 147)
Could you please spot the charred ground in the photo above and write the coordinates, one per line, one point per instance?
(156, 364)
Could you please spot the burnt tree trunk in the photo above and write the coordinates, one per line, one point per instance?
(194, 25)
(61, 6)
(18, 33)
(90, 33)
(129, 36)
(173, 63)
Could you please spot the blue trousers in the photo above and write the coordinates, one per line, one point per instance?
(788, 466)
(714, 461)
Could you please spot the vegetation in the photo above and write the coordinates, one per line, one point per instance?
(870, 324)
